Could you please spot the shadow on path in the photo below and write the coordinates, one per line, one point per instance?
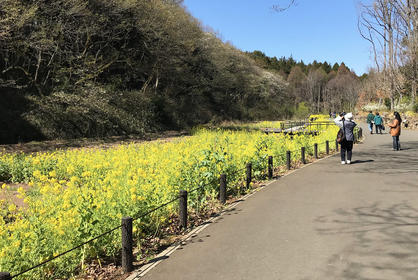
(382, 160)
(386, 242)
(362, 161)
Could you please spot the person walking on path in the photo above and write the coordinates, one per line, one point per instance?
(378, 121)
(395, 131)
(347, 124)
(370, 121)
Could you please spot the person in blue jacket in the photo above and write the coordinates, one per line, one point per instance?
(378, 122)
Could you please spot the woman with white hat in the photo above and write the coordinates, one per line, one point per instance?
(346, 123)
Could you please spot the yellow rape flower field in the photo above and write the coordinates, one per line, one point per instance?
(75, 195)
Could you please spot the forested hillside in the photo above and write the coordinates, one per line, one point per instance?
(95, 68)
(324, 88)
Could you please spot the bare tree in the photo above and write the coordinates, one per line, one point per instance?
(282, 8)
(296, 80)
(390, 27)
(315, 86)
(377, 25)
(407, 12)
(342, 90)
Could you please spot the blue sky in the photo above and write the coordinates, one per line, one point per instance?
(322, 30)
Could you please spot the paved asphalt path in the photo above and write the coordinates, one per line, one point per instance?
(325, 221)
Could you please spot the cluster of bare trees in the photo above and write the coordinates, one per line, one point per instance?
(391, 28)
(325, 92)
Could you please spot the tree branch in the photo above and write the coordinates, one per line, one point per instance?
(279, 8)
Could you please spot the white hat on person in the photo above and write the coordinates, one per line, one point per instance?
(348, 116)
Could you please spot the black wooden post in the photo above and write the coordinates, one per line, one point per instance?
(249, 177)
(336, 145)
(327, 146)
(127, 244)
(302, 155)
(316, 150)
(183, 209)
(222, 189)
(288, 160)
(270, 168)
(5, 276)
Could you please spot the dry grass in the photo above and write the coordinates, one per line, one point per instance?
(52, 145)
(11, 195)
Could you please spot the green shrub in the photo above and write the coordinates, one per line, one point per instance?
(387, 103)
(5, 175)
(302, 111)
(21, 170)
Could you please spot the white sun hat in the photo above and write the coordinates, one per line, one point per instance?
(348, 116)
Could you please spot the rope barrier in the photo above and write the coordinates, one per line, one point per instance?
(68, 251)
(155, 209)
(105, 233)
(197, 188)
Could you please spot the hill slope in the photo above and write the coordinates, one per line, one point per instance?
(92, 68)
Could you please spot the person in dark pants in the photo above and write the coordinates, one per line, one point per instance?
(346, 147)
(378, 122)
(347, 124)
(395, 131)
(370, 121)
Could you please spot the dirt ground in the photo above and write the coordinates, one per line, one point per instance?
(11, 195)
(52, 145)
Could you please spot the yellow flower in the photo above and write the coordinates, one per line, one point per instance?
(86, 174)
(73, 179)
(21, 190)
(12, 208)
(70, 169)
(37, 174)
(145, 173)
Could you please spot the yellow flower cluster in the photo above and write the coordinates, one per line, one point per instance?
(79, 194)
(319, 118)
(266, 124)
